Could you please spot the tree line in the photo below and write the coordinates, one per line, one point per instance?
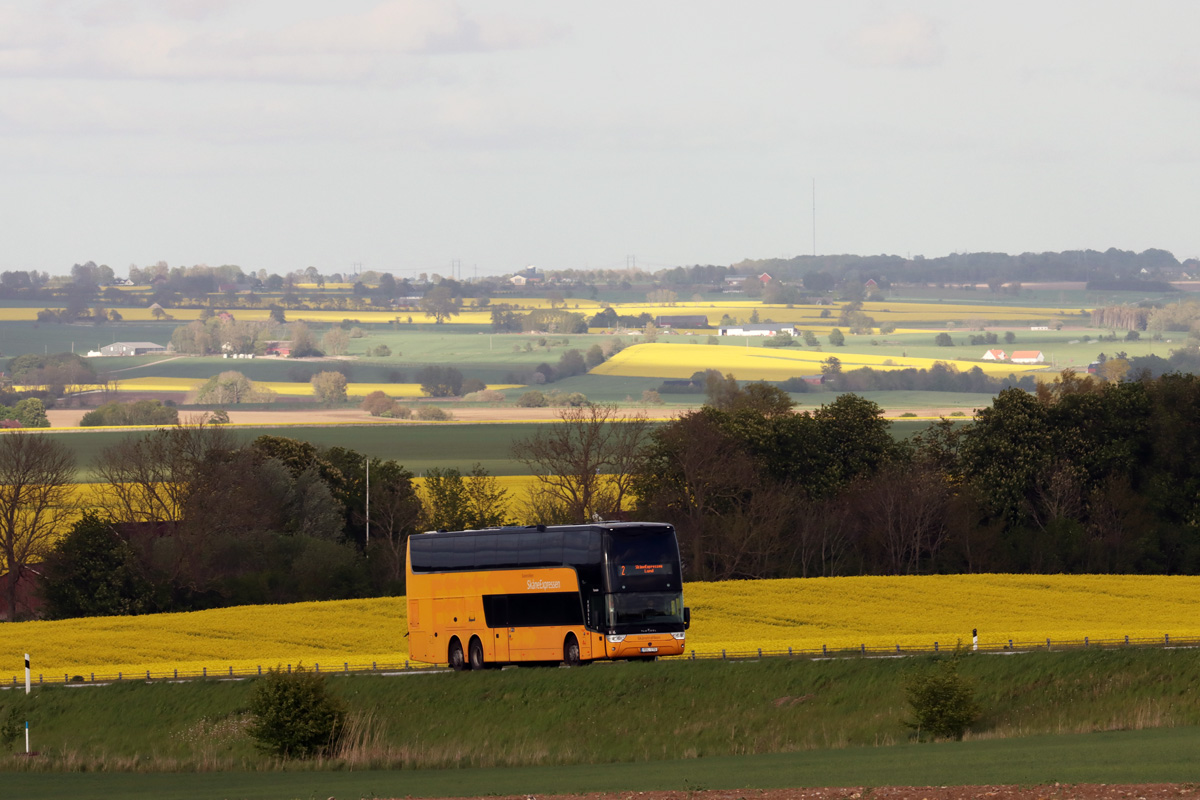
(1081, 475)
(188, 517)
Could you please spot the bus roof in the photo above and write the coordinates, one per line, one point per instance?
(596, 526)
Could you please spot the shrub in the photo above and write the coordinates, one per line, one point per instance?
(218, 417)
(294, 714)
(472, 385)
(651, 397)
(485, 396)
(942, 701)
(533, 399)
(433, 413)
(381, 351)
(377, 404)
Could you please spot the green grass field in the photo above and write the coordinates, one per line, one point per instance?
(418, 447)
(1157, 756)
(1098, 716)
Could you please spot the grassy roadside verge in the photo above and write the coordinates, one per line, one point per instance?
(1165, 755)
(610, 713)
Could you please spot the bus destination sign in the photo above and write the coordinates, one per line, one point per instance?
(644, 569)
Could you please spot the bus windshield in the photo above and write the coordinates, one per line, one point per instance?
(644, 608)
(645, 560)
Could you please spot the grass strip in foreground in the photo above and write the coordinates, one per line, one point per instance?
(1160, 755)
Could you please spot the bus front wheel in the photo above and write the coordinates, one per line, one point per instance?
(476, 653)
(571, 651)
(455, 656)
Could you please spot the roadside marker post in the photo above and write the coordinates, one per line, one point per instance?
(27, 692)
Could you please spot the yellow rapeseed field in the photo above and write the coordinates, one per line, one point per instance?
(674, 360)
(736, 616)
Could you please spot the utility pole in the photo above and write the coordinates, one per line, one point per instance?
(814, 216)
(367, 543)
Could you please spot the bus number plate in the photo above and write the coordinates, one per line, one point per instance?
(649, 649)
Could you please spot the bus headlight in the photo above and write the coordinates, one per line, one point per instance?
(616, 638)
(680, 636)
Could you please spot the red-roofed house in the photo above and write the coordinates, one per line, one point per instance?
(1028, 357)
(994, 355)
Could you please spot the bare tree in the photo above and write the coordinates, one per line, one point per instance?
(152, 479)
(395, 515)
(585, 464)
(36, 502)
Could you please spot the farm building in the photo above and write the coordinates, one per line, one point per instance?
(758, 329)
(279, 348)
(994, 355)
(1028, 357)
(682, 321)
(131, 349)
(29, 601)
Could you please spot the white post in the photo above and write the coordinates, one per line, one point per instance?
(26, 737)
(975, 638)
(27, 673)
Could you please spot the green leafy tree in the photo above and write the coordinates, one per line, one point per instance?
(438, 381)
(93, 572)
(942, 702)
(31, 413)
(335, 341)
(461, 502)
(943, 340)
(837, 338)
(439, 303)
(294, 714)
(329, 387)
(231, 387)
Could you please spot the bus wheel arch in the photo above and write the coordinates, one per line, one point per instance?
(454, 655)
(475, 654)
(571, 651)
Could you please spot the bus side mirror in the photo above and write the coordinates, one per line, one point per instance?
(687, 618)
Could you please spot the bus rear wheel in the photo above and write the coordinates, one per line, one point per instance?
(455, 656)
(475, 651)
(571, 651)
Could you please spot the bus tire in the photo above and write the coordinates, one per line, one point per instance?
(571, 651)
(455, 655)
(475, 651)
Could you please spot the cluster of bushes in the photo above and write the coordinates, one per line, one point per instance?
(378, 404)
(139, 412)
(609, 318)
(27, 413)
(538, 399)
(551, 320)
(988, 337)
(438, 381)
(571, 363)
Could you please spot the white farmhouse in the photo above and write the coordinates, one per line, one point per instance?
(758, 329)
(1028, 357)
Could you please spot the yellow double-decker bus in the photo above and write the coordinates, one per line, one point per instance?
(569, 593)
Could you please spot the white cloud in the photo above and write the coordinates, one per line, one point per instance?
(123, 39)
(909, 40)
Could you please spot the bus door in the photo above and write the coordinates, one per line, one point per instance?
(501, 635)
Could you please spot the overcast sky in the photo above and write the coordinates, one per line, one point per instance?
(406, 135)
